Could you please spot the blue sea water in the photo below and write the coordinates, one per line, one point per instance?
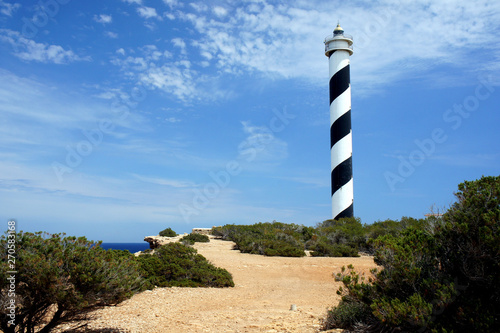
(132, 247)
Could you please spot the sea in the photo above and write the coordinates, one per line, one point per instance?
(132, 247)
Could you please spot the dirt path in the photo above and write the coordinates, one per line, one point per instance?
(266, 287)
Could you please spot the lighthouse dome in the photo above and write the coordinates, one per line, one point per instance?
(338, 30)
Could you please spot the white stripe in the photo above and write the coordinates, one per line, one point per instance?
(342, 150)
(338, 60)
(342, 199)
(340, 105)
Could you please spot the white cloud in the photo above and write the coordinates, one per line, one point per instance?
(207, 55)
(155, 69)
(49, 118)
(172, 3)
(111, 34)
(219, 11)
(165, 182)
(173, 79)
(120, 51)
(147, 12)
(393, 40)
(103, 18)
(106, 95)
(286, 42)
(8, 8)
(172, 120)
(261, 146)
(137, 2)
(199, 7)
(178, 42)
(30, 50)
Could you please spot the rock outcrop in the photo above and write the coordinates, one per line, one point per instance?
(157, 241)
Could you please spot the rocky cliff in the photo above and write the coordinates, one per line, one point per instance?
(157, 241)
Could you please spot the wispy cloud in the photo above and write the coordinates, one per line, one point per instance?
(8, 8)
(111, 34)
(179, 42)
(166, 182)
(172, 3)
(137, 2)
(172, 120)
(156, 69)
(30, 50)
(41, 122)
(286, 41)
(199, 7)
(103, 18)
(147, 12)
(219, 11)
(261, 145)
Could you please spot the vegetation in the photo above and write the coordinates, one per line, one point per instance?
(61, 279)
(168, 233)
(332, 238)
(439, 276)
(193, 238)
(175, 264)
(337, 238)
(270, 239)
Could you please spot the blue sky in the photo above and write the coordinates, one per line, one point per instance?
(122, 118)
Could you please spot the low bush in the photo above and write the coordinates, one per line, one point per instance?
(175, 264)
(346, 315)
(323, 249)
(270, 239)
(61, 279)
(168, 233)
(193, 238)
(345, 237)
(337, 238)
(440, 277)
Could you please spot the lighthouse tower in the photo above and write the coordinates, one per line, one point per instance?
(338, 49)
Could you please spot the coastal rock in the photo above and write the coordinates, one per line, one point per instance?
(157, 241)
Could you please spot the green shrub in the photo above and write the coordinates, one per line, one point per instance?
(470, 254)
(345, 237)
(270, 239)
(393, 228)
(193, 238)
(71, 275)
(337, 238)
(346, 315)
(168, 233)
(323, 249)
(437, 276)
(175, 264)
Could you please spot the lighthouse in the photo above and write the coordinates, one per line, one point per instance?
(338, 49)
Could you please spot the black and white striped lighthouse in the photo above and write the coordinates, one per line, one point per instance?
(338, 49)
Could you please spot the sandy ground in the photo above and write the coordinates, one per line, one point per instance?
(265, 289)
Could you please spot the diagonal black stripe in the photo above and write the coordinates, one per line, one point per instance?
(331, 52)
(339, 83)
(341, 174)
(348, 212)
(340, 128)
